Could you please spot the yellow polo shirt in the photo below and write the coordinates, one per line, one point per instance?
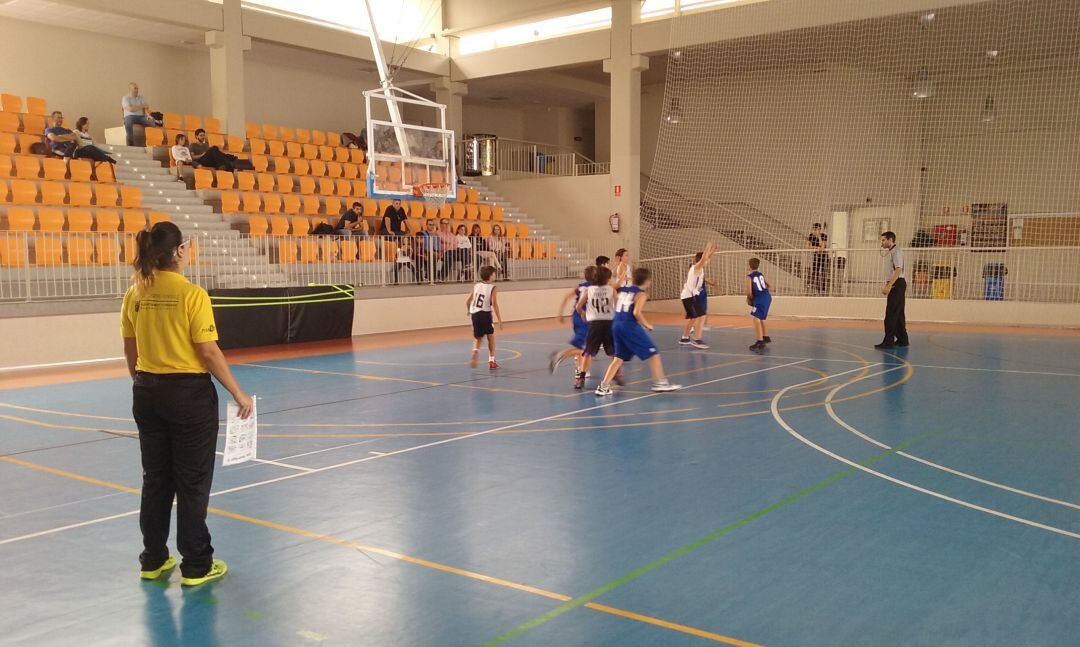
(166, 322)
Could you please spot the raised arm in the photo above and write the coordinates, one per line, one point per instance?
(710, 249)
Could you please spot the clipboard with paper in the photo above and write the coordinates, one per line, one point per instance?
(241, 435)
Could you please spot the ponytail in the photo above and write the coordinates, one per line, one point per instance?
(156, 249)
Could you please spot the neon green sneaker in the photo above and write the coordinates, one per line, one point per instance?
(164, 569)
(216, 572)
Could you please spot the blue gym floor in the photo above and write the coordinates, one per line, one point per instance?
(822, 494)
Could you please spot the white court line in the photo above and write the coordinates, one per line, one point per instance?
(445, 441)
(277, 463)
(911, 486)
(80, 362)
(845, 425)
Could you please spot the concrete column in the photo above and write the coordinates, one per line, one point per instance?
(227, 49)
(449, 94)
(625, 69)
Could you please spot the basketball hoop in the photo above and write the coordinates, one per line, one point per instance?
(434, 194)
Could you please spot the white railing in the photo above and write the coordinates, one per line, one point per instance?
(518, 158)
(38, 266)
(1032, 274)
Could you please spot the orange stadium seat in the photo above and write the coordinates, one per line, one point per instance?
(286, 134)
(275, 148)
(367, 251)
(28, 140)
(252, 129)
(9, 122)
(285, 183)
(130, 197)
(510, 230)
(133, 221)
(216, 139)
(204, 178)
(230, 202)
(332, 138)
(11, 103)
(27, 167)
(446, 211)
(106, 251)
(300, 226)
(317, 168)
(212, 125)
(341, 154)
(303, 135)
(343, 187)
(36, 106)
(333, 206)
(265, 182)
(348, 251)
(257, 226)
(311, 205)
(80, 194)
(301, 166)
(484, 212)
(326, 153)
(329, 250)
(33, 124)
(251, 202)
(287, 251)
(318, 137)
(523, 230)
(48, 251)
(309, 251)
(293, 149)
(279, 226)
(271, 203)
(270, 131)
(8, 144)
(326, 186)
(497, 213)
(359, 188)
(333, 169)
(20, 219)
(80, 251)
(80, 170)
(472, 212)
(310, 151)
(108, 220)
(54, 193)
(225, 180)
(350, 171)
(12, 251)
(459, 211)
(371, 208)
(192, 122)
(158, 216)
(290, 204)
(79, 220)
(154, 136)
(5, 166)
(260, 162)
(235, 144)
(282, 164)
(245, 180)
(485, 228)
(54, 168)
(257, 146)
(172, 121)
(104, 173)
(307, 185)
(356, 156)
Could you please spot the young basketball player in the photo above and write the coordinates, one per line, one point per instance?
(703, 304)
(580, 327)
(759, 299)
(623, 271)
(597, 305)
(628, 330)
(695, 281)
(480, 304)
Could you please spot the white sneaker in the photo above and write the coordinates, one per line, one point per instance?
(662, 387)
(699, 343)
(603, 390)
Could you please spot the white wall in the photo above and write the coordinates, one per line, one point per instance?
(575, 208)
(85, 74)
(493, 119)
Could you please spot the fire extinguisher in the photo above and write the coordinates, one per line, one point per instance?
(613, 221)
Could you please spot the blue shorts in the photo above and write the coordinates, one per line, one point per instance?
(760, 309)
(703, 302)
(581, 332)
(631, 340)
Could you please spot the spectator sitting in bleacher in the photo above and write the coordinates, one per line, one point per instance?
(394, 219)
(404, 259)
(82, 131)
(351, 140)
(351, 222)
(483, 251)
(428, 247)
(136, 111)
(464, 256)
(496, 242)
(205, 155)
(181, 154)
(447, 246)
(66, 143)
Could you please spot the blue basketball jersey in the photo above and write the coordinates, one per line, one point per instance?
(757, 284)
(624, 305)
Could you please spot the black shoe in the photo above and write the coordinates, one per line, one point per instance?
(767, 339)
(758, 347)
(885, 345)
(903, 344)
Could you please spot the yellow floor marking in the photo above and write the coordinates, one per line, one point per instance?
(516, 354)
(38, 423)
(376, 550)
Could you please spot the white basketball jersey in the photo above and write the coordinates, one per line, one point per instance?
(599, 303)
(693, 284)
(481, 297)
(628, 278)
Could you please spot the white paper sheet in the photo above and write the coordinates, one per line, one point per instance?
(241, 436)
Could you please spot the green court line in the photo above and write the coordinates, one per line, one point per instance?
(267, 304)
(689, 548)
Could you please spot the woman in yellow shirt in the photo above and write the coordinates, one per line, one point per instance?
(170, 342)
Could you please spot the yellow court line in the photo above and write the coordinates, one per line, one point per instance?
(122, 432)
(516, 355)
(88, 416)
(392, 554)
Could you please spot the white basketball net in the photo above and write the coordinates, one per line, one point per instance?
(435, 194)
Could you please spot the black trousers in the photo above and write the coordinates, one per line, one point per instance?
(895, 320)
(177, 416)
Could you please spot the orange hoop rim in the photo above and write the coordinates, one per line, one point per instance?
(418, 189)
